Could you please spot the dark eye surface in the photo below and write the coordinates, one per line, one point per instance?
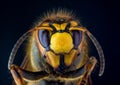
(44, 38)
(77, 37)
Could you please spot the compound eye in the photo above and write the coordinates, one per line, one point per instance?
(44, 38)
(77, 37)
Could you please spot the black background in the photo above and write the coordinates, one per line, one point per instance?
(101, 17)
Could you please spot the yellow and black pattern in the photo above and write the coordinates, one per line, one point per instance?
(57, 53)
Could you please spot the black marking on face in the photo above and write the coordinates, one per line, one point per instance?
(67, 27)
(60, 20)
(51, 25)
(62, 65)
